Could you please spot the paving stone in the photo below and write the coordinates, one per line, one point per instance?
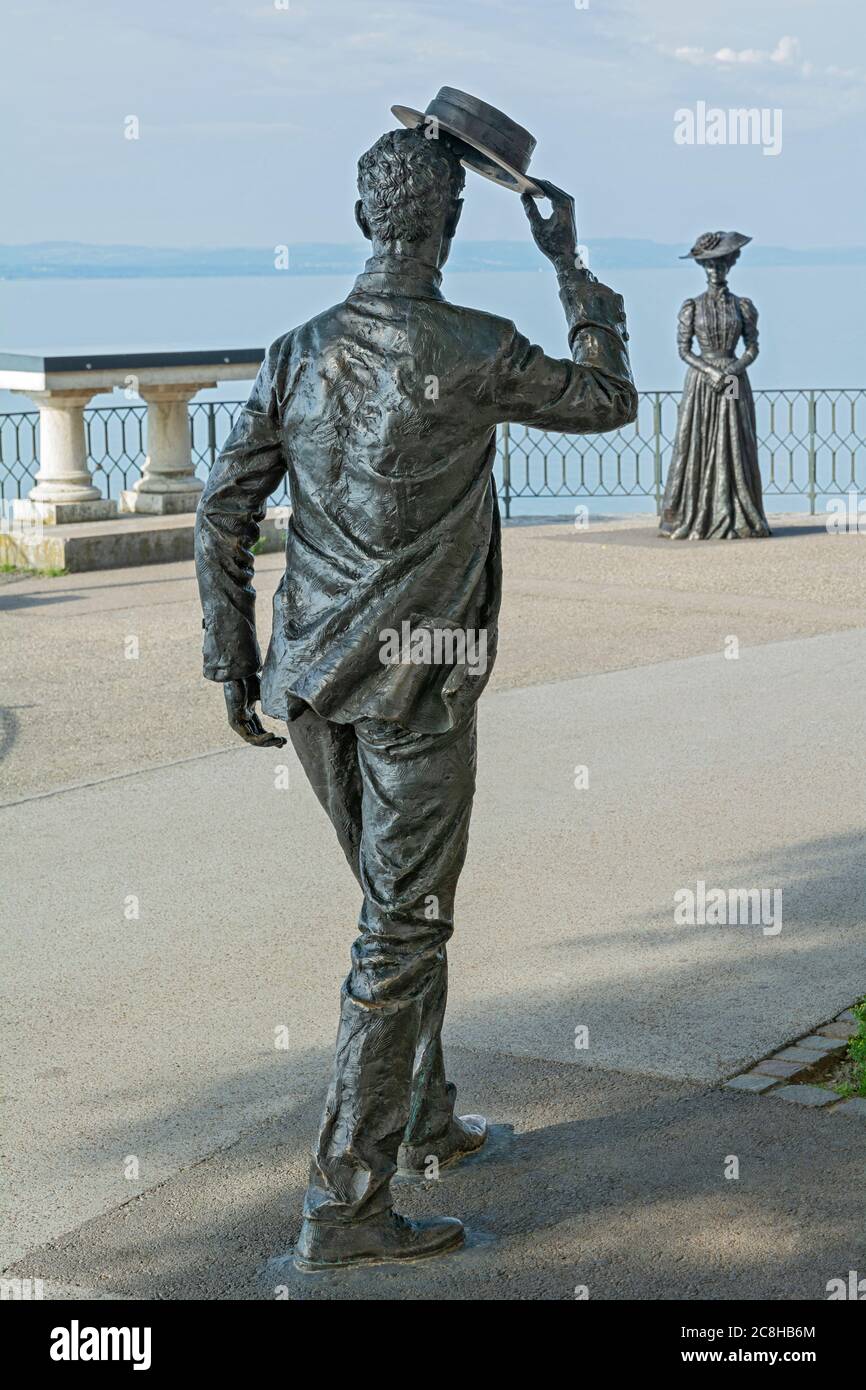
(847, 1017)
(773, 1067)
(813, 1096)
(751, 1081)
(855, 1105)
(839, 1030)
(821, 1044)
(798, 1054)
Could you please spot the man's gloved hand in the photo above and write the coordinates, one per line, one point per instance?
(241, 699)
(556, 235)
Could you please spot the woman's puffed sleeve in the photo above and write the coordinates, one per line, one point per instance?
(749, 315)
(686, 328)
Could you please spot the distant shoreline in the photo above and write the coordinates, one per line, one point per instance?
(80, 261)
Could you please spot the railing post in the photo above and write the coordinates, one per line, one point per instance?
(812, 453)
(168, 484)
(64, 489)
(506, 468)
(211, 432)
(657, 446)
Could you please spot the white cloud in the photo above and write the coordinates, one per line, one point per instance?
(786, 55)
(787, 50)
(746, 55)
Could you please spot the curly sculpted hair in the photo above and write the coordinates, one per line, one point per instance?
(406, 181)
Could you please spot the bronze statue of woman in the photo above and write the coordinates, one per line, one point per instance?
(713, 489)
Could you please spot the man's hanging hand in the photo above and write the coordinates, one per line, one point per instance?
(241, 699)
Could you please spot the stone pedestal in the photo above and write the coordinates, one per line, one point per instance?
(64, 491)
(119, 543)
(168, 484)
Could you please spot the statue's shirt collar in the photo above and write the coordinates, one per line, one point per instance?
(399, 275)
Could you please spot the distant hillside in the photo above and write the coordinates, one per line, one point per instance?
(69, 260)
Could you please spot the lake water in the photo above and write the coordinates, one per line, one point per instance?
(810, 320)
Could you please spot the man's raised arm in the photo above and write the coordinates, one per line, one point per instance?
(594, 391)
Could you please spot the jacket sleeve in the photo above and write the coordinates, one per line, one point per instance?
(229, 513)
(592, 392)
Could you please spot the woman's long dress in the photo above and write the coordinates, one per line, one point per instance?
(713, 489)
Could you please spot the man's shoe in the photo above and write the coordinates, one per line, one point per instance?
(378, 1240)
(466, 1134)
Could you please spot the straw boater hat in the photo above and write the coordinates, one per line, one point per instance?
(713, 244)
(487, 141)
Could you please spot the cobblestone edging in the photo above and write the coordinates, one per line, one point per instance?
(789, 1074)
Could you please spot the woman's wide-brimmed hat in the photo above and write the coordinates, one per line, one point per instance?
(488, 141)
(713, 244)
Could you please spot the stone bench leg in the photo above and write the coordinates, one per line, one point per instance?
(168, 483)
(64, 490)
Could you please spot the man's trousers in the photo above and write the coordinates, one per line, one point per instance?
(400, 803)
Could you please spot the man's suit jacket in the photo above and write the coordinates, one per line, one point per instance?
(383, 412)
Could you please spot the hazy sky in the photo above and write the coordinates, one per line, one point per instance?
(252, 114)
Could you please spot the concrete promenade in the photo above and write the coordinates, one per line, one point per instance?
(172, 989)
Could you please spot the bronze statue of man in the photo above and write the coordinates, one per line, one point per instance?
(383, 412)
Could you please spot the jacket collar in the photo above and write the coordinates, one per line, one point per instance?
(399, 275)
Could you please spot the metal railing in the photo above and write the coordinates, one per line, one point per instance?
(811, 444)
